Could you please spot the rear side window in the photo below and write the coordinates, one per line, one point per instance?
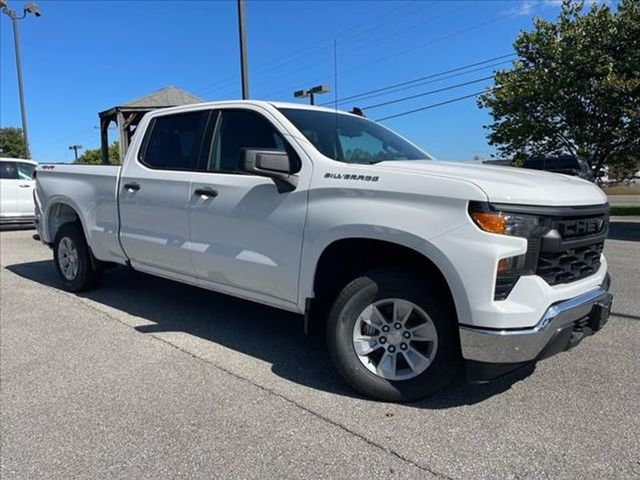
(240, 129)
(8, 171)
(568, 163)
(174, 141)
(534, 163)
(25, 170)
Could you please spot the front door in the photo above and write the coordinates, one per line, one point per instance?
(155, 195)
(245, 235)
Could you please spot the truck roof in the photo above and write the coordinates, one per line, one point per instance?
(262, 103)
(9, 159)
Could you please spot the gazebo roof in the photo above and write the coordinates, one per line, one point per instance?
(165, 97)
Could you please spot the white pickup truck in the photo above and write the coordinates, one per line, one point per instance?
(413, 267)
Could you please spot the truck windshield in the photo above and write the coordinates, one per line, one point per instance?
(351, 139)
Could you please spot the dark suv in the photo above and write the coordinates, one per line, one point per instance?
(567, 164)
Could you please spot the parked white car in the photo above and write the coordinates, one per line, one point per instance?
(412, 266)
(16, 191)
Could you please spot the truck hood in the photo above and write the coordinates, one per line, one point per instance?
(509, 184)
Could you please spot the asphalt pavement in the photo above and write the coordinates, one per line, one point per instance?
(147, 378)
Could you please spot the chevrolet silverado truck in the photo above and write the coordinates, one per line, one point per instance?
(414, 268)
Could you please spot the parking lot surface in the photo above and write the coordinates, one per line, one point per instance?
(147, 378)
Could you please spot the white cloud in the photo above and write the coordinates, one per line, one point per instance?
(525, 8)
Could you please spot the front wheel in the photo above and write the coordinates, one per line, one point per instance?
(392, 336)
(72, 259)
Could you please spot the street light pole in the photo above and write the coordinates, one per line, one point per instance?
(243, 51)
(28, 8)
(311, 93)
(75, 149)
(23, 113)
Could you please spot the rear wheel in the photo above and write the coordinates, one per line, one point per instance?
(392, 336)
(72, 259)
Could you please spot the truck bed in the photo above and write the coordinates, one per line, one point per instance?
(90, 190)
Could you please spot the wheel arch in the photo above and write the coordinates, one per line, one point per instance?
(345, 257)
(59, 212)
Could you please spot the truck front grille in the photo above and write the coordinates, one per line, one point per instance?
(569, 247)
(581, 227)
(569, 265)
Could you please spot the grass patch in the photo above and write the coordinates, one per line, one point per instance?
(625, 211)
(623, 190)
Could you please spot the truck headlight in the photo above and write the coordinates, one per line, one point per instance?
(501, 222)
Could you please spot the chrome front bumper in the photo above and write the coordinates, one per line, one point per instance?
(529, 344)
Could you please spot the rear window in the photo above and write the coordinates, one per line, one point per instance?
(535, 163)
(174, 141)
(8, 171)
(568, 163)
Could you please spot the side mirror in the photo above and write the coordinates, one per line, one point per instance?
(272, 163)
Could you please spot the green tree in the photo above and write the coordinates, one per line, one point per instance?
(93, 156)
(575, 88)
(12, 143)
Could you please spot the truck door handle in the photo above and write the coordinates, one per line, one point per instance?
(206, 192)
(24, 186)
(132, 187)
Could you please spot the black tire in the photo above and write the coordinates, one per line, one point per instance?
(386, 284)
(87, 277)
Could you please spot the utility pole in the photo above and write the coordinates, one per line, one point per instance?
(243, 51)
(35, 10)
(311, 93)
(75, 149)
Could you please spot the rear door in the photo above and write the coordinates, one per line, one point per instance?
(155, 194)
(24, 190)
(8, 189)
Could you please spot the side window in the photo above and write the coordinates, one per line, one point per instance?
(25, 171)
(534, 163)
(8, 171)
(240, 129)
(174, 141)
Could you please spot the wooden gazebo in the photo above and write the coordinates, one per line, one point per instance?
(128, 115)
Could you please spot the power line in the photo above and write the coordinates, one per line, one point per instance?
(415, 47)
(292, 56)
(435, 40)
(433, 105)
(420, 79)
(429, 82)
(378, 38)
(430, 92)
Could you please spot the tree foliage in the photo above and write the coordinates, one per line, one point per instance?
(93, 156)
(575, 88)
(12, 143)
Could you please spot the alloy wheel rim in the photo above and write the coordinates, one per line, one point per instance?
(395, 339)
(68, 258)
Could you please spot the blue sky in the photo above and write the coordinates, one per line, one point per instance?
(82, 57)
